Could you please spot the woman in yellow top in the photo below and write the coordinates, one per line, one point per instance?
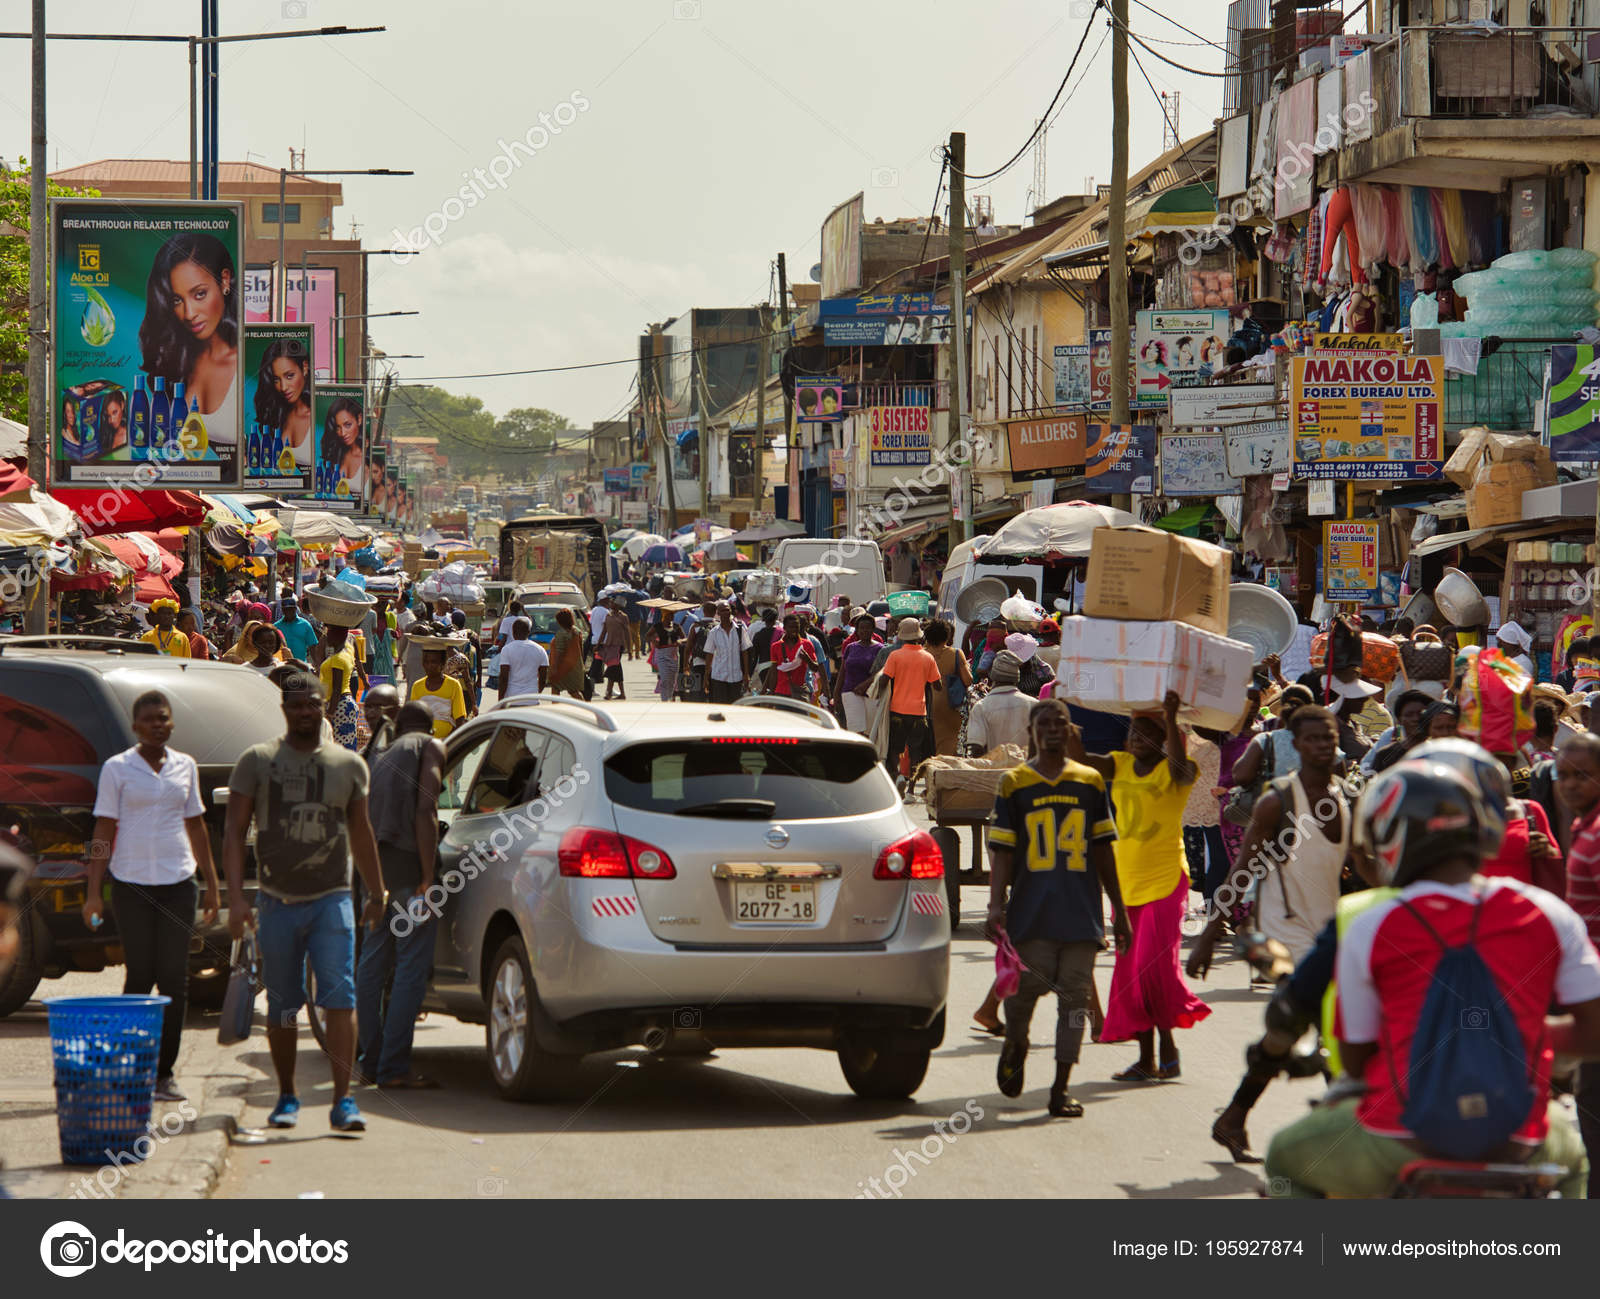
(338, 676)
(440, 695)
(1150, 784)
(164, 635)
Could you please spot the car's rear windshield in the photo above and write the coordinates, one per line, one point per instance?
(802, 779)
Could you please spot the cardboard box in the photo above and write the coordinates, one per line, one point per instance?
(1119, 666)
(1153, 576)
(966, 787)
(1496, 494)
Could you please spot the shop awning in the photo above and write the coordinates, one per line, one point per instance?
(1173, 211)
(112, 509)
(925, 518)
(1183, 518)
(1498, 532)
(13, 480)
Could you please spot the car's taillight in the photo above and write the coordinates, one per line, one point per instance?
(603, 854)
(916, 857)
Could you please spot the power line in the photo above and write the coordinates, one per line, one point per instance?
(1049, 108)
(1162, 105)
(1205, 40)
(586, 365)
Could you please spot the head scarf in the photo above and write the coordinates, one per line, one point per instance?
(1006, 670)
(1513, 633)
(1022, 645)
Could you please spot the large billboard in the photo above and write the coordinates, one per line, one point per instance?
(885, 320)
(841, 248)
(1368, 416)
(1046, 448)
(1176, 349)
(1573, 413)
(311, 298)
(1119, 458)
(280, 409)
(339, 468)
(146, 344)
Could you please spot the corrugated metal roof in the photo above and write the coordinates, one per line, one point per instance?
(165, 171)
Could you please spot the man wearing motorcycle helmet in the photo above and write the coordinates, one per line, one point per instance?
(1426, 828)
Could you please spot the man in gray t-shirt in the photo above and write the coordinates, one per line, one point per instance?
(308, 799)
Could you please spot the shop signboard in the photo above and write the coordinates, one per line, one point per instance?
(635, 511)
(279, 409)
(1100, 370)
(1046, 448)
(1368, 416)
(637, 472)
(1072, 374)
(838, 471)
(339, 468)
(1358, 342)
(1119, 458)
(311, 297)
(1262, 448)
(1233, 403)
(1572, 403)
(884, 320)
(818, 400)
(134, 386)
(1195, 464)
(1176, 349)
(618, 482)
(897, 435)
(1350, 561)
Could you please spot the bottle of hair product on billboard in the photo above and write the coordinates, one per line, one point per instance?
(180, 409)
(139, 420)
(277, 453)
(160, 419)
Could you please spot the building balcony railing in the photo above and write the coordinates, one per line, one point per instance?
(935, 394)
(1470, 71)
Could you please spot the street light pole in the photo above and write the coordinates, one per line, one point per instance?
(280, 274)
(36, 618)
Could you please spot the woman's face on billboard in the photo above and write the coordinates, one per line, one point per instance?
(348, 427)
(197, 298)
(289, 379)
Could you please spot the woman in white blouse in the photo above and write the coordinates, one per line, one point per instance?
(150, 831)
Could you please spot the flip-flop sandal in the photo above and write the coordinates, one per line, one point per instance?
(1136, 1072)
(1064, 1107)
(1008, 1074)
(997, 1029)
(415, 1083)
(1170, 1070)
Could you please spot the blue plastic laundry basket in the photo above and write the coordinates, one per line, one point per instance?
(105, 1051)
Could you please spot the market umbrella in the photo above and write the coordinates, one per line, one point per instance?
(152, 588)
(633, 547)
(777, 530)
(1063, 530)
(665, 553)
(13, 480)
(113, 509)
(622, 534)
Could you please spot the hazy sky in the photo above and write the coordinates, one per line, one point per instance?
(700, 137)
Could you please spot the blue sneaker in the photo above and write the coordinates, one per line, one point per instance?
(287, 1112)
(346, 1117)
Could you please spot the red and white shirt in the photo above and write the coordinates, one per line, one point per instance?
(1533, 943)
(1583, 871)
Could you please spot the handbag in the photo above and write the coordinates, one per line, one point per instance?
(1007, 968)
(955, 690)
(239, 1001)
(1241, 804)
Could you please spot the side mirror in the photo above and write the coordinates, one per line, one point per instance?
(219, 797)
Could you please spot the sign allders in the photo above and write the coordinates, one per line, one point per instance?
(146, 343)
(1368, 416)
(1350, 562)
(1046, 448)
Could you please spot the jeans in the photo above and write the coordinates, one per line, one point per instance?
(726, 692)
(1208, 858)
(1588, 1098)
(384, 1033)
(155, 922)
(1066, 969)
(288, 932)
(908, 731)
(1328, 1153)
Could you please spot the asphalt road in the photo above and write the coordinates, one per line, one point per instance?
(779, 1123)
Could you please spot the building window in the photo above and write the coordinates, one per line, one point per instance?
(291, 214)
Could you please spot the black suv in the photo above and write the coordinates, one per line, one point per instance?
(65, 705)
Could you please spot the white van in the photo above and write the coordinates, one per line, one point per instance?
(862, 587)
(1022, 576)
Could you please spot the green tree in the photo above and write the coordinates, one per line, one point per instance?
(14, 287)
(527, 429)
(475, 442)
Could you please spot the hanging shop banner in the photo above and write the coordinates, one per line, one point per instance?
(160, 387)
(884, 320)
(378, 481)
(1176, 349)
(279, 409)
(1046, 448)
(637, 472)
(619, 482)
(1368, 416)
(1119, 458)
(899, 435)
(1195, 464)
(817, 400)
(339, 469)
(1262, 448)
(1072, 374)
(1358, 342)
(838, 470)
(1100, 370)
(1350, 562)
(1573, 403)
(1235, 403)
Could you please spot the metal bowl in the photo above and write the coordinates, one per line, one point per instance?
(1460, 600)
(1262, 618)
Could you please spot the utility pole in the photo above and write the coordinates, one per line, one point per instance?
(788, 391)
(961, 482)
(702, 417)
(655, 413)
(37, 616)
(762, 361)
(1116, 233)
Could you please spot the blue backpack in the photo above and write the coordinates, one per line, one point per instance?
(1467, 1090)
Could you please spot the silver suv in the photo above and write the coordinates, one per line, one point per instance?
(684, 877)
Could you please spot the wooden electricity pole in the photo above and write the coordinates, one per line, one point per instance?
(1116, 234)
(961, 477)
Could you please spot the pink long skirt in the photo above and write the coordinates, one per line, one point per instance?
(1147, 987)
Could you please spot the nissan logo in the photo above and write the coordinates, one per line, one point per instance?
(777, 837)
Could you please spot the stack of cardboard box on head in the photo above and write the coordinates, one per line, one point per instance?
(1155, 619)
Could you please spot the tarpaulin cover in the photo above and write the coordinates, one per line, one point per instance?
(1064, 529)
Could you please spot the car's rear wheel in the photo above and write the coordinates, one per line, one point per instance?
(878, 1069)
(17, 984)
(522, 1069)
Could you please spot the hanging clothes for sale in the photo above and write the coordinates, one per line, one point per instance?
(1440, 236)
(1455, 225)
(1419, 223)
(1396, 233)
(1341, 222)
(1367, 205)
(1315, 226)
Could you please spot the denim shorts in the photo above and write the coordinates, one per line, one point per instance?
(287, 932)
